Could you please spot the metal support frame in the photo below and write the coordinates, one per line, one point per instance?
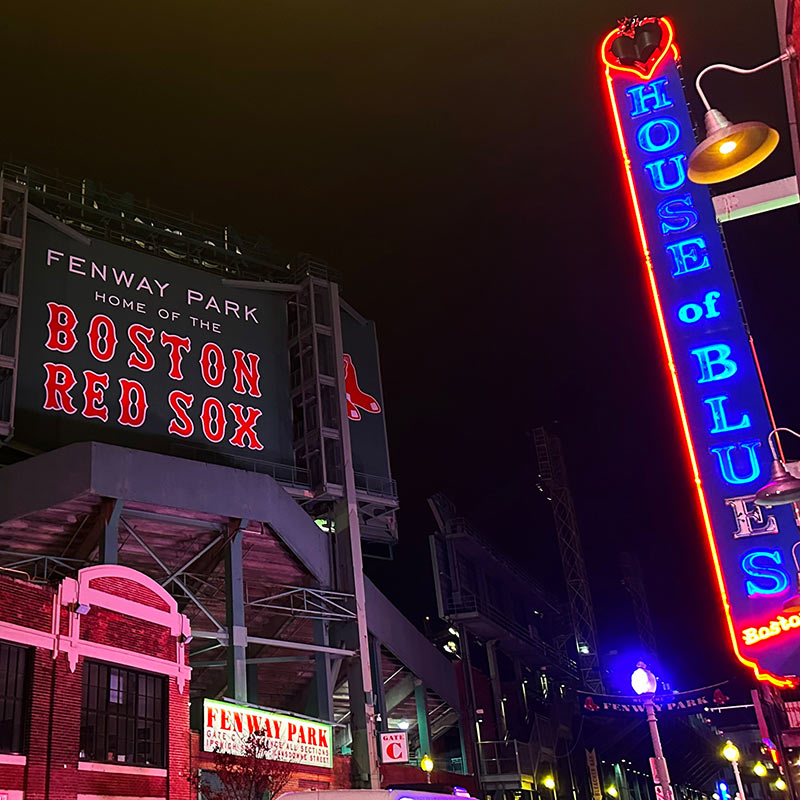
(306, 602)
(234, 605)
(497, 689)
(377, 681)
(552, 473)
(323, 678)
(109, 537)
(170, 577)
(221, 635)
(423, 730)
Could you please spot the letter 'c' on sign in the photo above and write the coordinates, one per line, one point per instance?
(394, 750)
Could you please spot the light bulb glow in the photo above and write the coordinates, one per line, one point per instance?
(426, 763)
(643, 681)
(727, 147)
(549, 782)
(780, 784)
(612, 790)
(760, 769)
(730, 751)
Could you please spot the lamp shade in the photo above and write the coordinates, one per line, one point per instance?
(782, 488)
(643, 680)
(730, 150)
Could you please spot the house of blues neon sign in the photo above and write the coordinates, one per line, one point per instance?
(707, 347)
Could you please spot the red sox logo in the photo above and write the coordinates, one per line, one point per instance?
(355, 397)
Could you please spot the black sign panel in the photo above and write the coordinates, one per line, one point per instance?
(124, 347)
(365, 401)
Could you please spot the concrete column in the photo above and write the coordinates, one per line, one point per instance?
(463, 742)
(237, 632)
(497, 689)
(109, 536)
(252, 683)
(323, 685)
(422, 719)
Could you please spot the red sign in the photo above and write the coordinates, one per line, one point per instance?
(394, 747)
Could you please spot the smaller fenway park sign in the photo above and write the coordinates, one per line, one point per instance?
(227, 727)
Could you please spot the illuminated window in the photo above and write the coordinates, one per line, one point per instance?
(13, 706)
(122, 717)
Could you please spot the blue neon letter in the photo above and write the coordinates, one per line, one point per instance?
(646, 97)
(689, 255)
(655, 169)
(658, 134)
(776, 577)
(725, 456)
(677, 213)
(721, 424)
(716, 367)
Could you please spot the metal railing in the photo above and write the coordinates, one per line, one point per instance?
(376, 485)
(472, 604)
(38, 568)
(507, 758)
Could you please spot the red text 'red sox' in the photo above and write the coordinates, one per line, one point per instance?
(104, 342)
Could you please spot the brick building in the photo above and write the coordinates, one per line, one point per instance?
(94, 694)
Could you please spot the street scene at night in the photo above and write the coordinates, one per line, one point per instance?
(400, 403)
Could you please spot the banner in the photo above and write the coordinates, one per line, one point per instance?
(692, 702)
(594, 775)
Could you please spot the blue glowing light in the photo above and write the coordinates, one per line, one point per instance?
(658, 172)
(715, 362)
(647, 97)
(658, 134)
(720, 417)
(777, 581)
(726, 454)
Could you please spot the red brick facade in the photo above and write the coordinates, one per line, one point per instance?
(110, 614)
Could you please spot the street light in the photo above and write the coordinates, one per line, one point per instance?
(550, 783)
(780, 784)
(783, 487)
(612, 791)
(730, 150)
(731, 753)
(426, 764)
(645, 683)
(760, 769)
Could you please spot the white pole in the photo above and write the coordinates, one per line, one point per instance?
(660, 761)
(738, 775)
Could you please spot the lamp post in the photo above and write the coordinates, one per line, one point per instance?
(645, 683)
(731, 752)
(730, 150)
(550, 783)
(426, 764)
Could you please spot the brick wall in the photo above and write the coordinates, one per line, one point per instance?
(53, 769)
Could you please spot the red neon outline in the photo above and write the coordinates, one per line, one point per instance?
(762, 676)
(664, 50)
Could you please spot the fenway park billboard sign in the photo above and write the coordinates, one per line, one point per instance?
(124, 347)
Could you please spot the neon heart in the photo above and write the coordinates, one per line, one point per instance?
(646, 70)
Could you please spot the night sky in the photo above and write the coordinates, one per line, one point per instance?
(454, 162)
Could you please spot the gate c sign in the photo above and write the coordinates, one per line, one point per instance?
(394, 747)
(708, 351)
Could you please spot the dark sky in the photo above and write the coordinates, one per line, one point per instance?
(453, 160)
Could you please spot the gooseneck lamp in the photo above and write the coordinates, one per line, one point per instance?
(729, 150)
(783, 487)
